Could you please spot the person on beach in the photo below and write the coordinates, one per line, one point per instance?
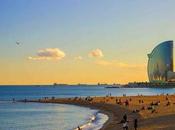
(116, 100)
(126, 102)
(78, 128)
(125, 117)
(124, 122)
(135, 124)
(125, 125)
(120, 101)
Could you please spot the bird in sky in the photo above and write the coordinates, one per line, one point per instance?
(17, 43)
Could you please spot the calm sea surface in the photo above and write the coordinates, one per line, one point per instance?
(38, 116)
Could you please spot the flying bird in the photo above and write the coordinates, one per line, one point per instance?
(17, 43)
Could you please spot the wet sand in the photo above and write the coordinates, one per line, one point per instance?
(152, 112)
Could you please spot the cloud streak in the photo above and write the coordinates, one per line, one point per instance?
(48, 54)
(118, 64)
(78, 58)
(97, 53)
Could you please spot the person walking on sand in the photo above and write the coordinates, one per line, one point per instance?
(125, 125)
(124, 122)
(135, 124)
(125, 117)
(78, 128)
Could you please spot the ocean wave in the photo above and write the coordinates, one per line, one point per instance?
(95, 122)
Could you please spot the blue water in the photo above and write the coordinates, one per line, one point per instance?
(35, 116)
(29, 92)
(38, 116)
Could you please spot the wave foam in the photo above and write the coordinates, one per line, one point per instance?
(95, 122)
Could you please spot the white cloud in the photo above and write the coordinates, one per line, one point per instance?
(48, 54)
(78, 58)
(96, 53)
(115, 63)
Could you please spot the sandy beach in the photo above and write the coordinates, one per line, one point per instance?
(153, 112)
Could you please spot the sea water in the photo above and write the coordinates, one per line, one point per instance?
(35, 92)
(40, 116)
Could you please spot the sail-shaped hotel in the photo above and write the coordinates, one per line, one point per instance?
(160, 63)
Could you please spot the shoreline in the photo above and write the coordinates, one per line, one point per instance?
(97, 107)
(93, 122)
(153, 112)
(114, 112)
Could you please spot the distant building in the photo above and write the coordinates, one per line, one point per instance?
(160, 63)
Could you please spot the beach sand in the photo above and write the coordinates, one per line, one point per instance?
(152, 112)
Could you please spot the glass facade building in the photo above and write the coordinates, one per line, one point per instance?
(160, 62)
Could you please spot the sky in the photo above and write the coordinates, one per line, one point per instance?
(81, 41)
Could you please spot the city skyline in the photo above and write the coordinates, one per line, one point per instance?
(76, 41)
